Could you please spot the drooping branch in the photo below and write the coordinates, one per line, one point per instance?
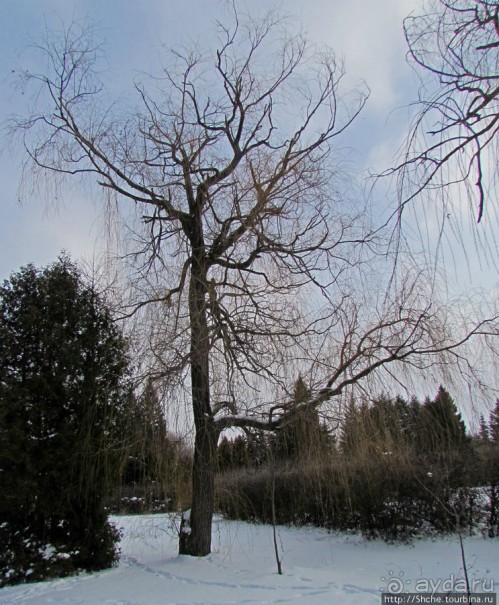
(454, 138)
(408, 340)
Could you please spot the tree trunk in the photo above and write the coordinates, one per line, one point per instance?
(195, 534)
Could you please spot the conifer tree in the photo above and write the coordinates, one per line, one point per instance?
(63, 396)
(443, 424)
(483, 434)
(302, 435)
(148, 454)
(224, 453)
(351, 428)
(494, 424)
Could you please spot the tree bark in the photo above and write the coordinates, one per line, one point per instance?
(195, 535)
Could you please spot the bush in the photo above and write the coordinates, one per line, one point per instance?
(33, 553)
(378, 497)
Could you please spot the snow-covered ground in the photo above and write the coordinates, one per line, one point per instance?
(318, 568)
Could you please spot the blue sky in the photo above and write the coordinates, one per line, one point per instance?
(368, 35)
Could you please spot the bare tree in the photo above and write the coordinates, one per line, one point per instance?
(243, 248)
(455, 135)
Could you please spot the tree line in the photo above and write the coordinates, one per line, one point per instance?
(392, 467)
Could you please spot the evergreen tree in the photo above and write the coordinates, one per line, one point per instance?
(413, 427)
(492, 468)
(494, 424)
(483, 433)
(225, 461)
(240, 458)
(157, 462)
(302, 436)
(63, 394)
(384, 422)
(442, 426)
(384, 426)
(148, 454)
(233, 453)
(260, 444)
(352, 429)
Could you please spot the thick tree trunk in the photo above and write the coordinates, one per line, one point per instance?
(195, 535)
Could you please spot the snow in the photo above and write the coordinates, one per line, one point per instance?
(319, 567)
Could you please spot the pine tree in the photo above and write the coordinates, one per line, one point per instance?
(157, 464)
(384, 423)
(224, 452)
(260, 444)
(352, 429)
(150, 437)
(240, 452)
(483, 433)
(492, 472)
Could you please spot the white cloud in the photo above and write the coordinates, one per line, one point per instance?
(369, 36)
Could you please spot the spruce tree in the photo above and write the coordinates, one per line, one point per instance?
(352, 429)
(302, 436)
(443, 424)
(493, 473)
(225, 455)
(494, 424)
(483, 434)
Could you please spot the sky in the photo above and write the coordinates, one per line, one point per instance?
(367, 35)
